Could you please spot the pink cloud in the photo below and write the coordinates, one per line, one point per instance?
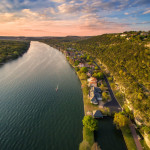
(30, 23)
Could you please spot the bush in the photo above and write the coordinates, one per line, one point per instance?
(76, 69)
(120, 120)
(96, 68)
(84, 69)
(76, 63)
(90, 123)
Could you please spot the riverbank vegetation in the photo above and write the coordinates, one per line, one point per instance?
(10, 50)
(125, 58)
(122, 122)
(127, 135)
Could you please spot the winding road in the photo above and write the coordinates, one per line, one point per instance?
(113, 105)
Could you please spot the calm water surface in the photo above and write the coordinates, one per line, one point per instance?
(108, 137)
(33, 116)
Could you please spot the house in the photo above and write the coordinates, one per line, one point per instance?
(70, 49)
(92, 66)
(144, 33)
(81, 65)
(89, 73)
(71, 54)
(87, 65)
(92, 81)
(97, 114)
(94, 101)
(95, 95)
(122, 35)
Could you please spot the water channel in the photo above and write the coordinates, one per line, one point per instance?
(33, 116)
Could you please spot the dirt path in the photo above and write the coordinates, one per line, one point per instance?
(134, 134)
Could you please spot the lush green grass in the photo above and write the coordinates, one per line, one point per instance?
(88, 139)
(128, 138)
(88, 136)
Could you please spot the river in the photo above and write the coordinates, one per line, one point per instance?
(33, 116)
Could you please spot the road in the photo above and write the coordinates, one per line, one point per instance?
(113, 105)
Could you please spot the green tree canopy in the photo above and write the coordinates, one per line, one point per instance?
(90, 123)
(76, 63)
(120, 120)
(84, 69)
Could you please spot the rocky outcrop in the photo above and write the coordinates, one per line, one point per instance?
(147, 139)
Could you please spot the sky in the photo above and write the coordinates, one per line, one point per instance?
(72, 17)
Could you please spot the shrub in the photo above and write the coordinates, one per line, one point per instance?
(90, 123)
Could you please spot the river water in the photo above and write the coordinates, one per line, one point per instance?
(33, 116)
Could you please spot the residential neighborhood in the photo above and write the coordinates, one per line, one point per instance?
(84, 64)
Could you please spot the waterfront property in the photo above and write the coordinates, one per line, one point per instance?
(92, 82)
(95, 95)
(97, 114)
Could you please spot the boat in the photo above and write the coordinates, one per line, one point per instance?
(57, 88)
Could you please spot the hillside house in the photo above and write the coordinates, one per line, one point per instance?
(123, 35)
(92, 82)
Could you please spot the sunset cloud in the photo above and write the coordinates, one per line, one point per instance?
(74, 17)
(146, 12)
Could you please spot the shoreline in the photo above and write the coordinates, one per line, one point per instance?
(16, 57)
(88, 136)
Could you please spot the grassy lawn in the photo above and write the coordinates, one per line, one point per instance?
(88, 136)
(87, 105)
(128, 138)
(88, 139)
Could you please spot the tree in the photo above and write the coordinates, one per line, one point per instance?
(84, 69)
(96, 68)
(105, 96)
(100, 75)
(120, 120)
(76, 69)
(90, 123)
(76, 63)
(88, 58)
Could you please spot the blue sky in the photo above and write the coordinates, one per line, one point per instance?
(72, 17)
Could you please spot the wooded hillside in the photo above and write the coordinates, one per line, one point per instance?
(12, 49)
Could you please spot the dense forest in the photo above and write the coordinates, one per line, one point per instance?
(12, 49)
(127, 57)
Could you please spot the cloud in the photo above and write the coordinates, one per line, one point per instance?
(68, 17)
(126, 13)
(140, 23)
(8, 17)
(28, 12)
(146, 12)
(69, 8)
(58, 1)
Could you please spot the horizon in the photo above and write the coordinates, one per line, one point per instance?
(70, 35)
(61, 18)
